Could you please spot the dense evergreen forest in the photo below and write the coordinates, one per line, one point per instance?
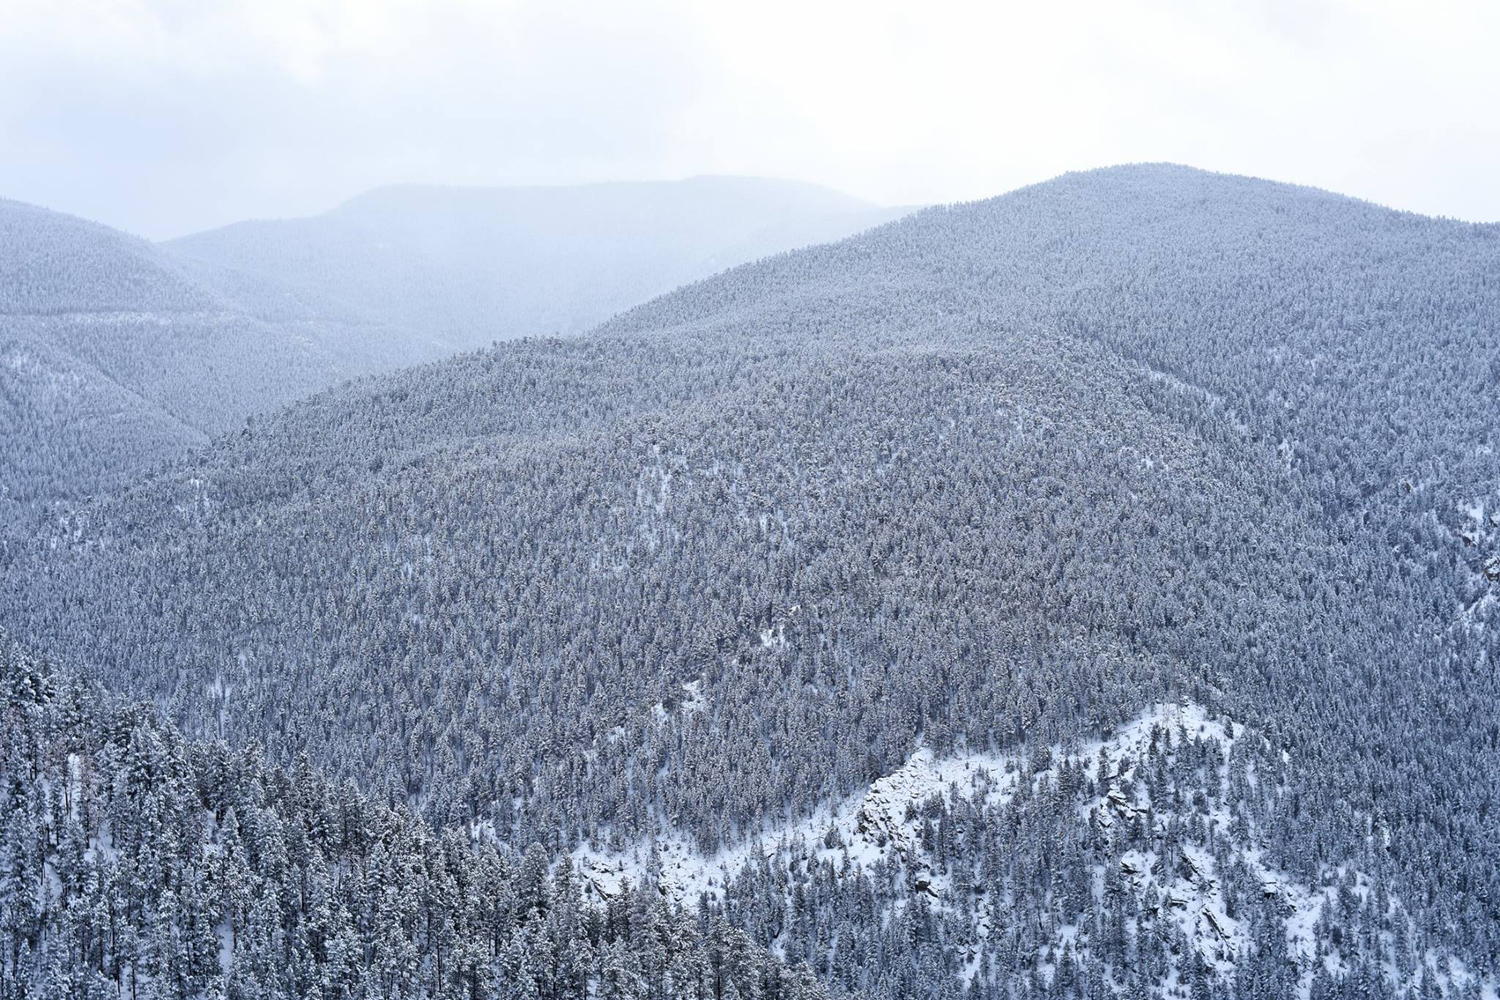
(137, 863)
(994, 482)
(113, 360)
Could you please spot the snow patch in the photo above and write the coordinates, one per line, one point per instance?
(1178, 880)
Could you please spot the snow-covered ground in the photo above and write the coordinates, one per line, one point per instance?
(870, 825)
(883, 823)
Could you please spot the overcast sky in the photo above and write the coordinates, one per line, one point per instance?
(166, 116)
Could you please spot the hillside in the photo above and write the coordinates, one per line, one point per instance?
(139, 863)
(1138, 858)
(117, 356)
(991, 480)
(113, 359)
(462, 267)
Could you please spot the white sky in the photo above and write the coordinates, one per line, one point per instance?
(166, 116)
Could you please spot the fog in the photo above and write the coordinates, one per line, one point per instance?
(169, 116)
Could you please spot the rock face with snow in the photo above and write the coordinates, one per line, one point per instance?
(1171, 854)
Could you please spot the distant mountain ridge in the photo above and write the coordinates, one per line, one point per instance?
(467, 266)
(54, 263)
(114, 358)
(117, 355)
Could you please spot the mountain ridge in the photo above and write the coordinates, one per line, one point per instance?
(119, 347)
(992, 479)
(468, 265)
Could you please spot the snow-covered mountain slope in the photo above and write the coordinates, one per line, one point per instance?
(118, 355)
(114, 359)
(995, 476)
(1186, 862)
(139, 864)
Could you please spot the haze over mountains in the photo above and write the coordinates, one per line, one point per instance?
(463, 267)
(113, 358)
(119, 355)
(1087, 592)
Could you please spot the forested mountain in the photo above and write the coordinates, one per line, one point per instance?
(113, 359)
(993, 482)
(136, 863)
(463, 267)
(117, 356)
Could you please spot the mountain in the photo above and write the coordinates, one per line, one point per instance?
(462, 267)
(114, 359)
(158, 866)
(1104, 574)
(117, 356)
